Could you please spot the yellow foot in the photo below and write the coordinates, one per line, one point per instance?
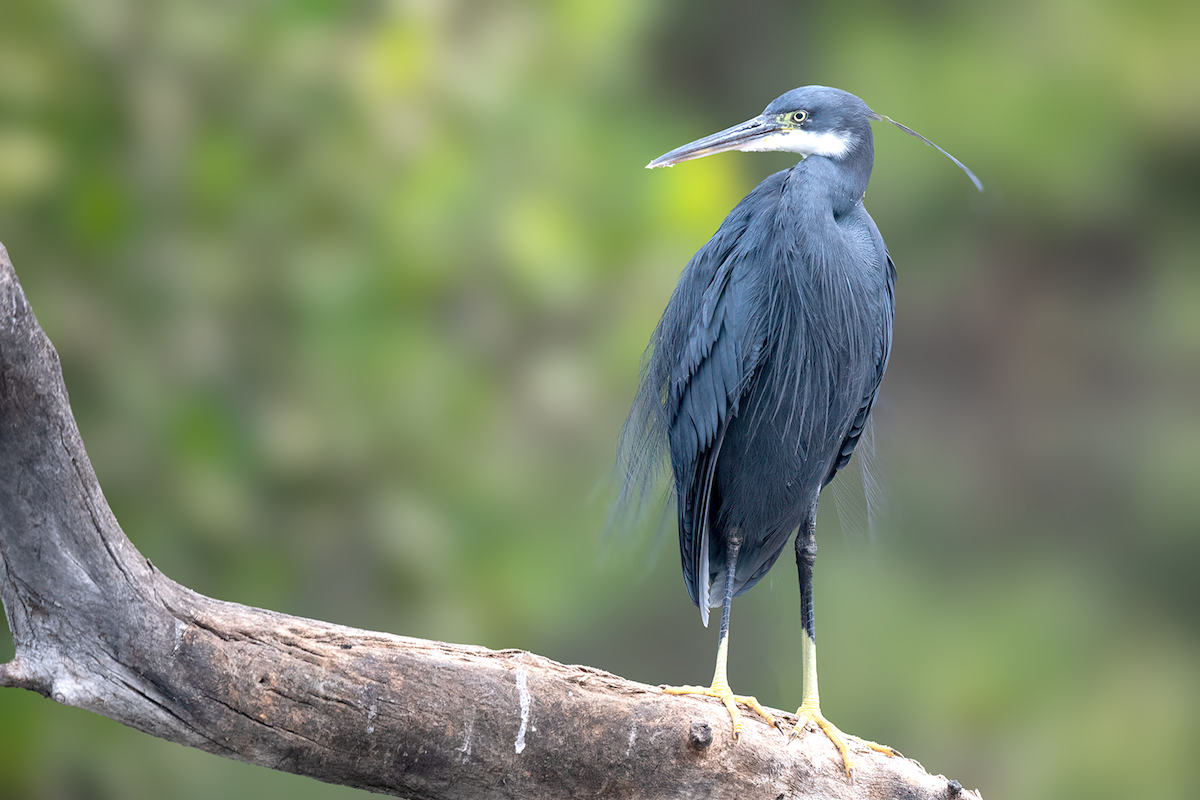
(812, 713)
(723, 693)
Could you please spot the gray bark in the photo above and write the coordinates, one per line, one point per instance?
(98, 627)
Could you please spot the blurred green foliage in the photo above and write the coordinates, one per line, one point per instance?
(350, 299)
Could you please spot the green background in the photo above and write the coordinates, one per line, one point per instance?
(350, 299)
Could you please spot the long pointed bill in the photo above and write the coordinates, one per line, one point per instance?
(749, 135)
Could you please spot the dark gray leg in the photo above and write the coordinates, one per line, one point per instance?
(810, 704)
(806, 556)
(720, 684)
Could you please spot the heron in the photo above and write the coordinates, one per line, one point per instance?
(761, 375)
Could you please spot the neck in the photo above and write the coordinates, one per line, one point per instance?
(841, 183)
(843, 178)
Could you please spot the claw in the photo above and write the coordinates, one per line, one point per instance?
(723, 693)
(811, 712)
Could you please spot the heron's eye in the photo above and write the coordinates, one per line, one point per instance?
(799, 116)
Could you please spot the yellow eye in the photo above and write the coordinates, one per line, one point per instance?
(799, 116)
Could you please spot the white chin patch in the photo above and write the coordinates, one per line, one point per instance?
(833, 144)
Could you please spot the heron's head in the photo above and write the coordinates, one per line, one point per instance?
(811, 121)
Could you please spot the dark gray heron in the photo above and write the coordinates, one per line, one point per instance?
(761, 375)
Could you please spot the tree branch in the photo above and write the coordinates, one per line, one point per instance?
(97, 626)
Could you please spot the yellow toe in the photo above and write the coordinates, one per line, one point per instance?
(812, 713)
(723, 693)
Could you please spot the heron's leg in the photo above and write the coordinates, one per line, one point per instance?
(720, 684)
(810, 703)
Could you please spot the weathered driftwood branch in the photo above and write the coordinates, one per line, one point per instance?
(98, 627)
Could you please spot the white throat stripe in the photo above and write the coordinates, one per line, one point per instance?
(833, 144)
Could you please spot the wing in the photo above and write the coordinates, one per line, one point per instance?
(694, 504)
(703, 393)
(717, 342)
(701, 358)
